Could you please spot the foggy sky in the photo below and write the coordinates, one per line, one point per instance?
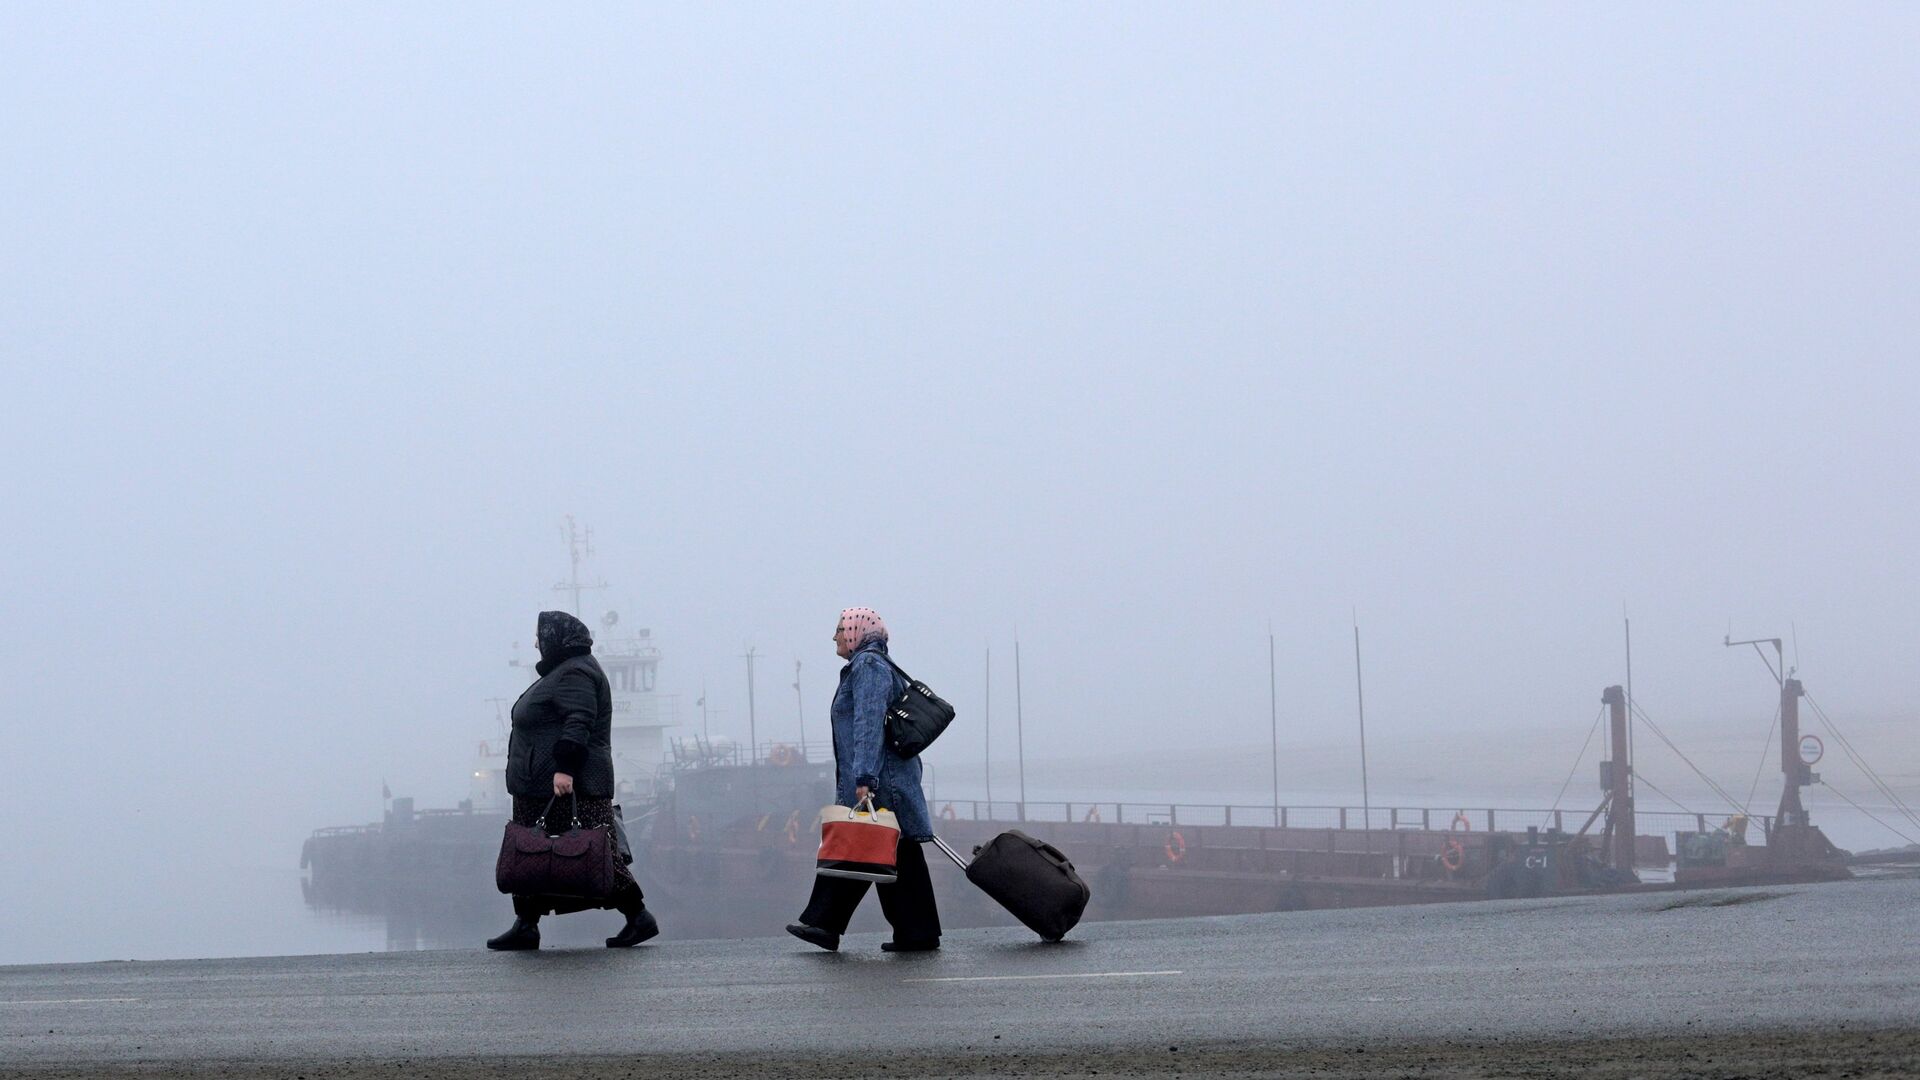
(1131, 330)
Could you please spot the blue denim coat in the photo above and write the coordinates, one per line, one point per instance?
(860, 753)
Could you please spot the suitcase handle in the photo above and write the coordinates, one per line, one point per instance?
(950, 853)
(1047, 851)
(1055, 855)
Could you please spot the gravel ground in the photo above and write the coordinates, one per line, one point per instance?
(1866, 1054)
(1785, 981)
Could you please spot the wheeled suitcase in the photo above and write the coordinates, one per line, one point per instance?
(1030, 878)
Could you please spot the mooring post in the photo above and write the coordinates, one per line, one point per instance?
(1619, 783)
(1798, 773)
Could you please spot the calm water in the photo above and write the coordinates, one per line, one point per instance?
(145, 907)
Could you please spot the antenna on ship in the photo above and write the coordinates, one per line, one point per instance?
(579, 546)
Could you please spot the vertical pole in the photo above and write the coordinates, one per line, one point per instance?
(1619, 783)
(1796, 771)
(986, 730)
(1020, 729)
(573, 562)
(1627, 625)
(753, 728)
(1273, 710)
(800, 709)
(1360, 694)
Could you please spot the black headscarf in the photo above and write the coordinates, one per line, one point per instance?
(560, 637)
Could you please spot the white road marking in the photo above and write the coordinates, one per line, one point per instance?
(1075, 975)
(69, 1001)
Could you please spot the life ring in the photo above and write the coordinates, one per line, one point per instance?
(693, 830)
(1454, 856)
(1092, 814)
(793, 827)
(1176, 846)
(1460, 822)
(947, 814)
(783, 755)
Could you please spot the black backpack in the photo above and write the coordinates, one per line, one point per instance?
(916, 717)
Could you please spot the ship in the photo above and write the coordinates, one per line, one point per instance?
(724, 836)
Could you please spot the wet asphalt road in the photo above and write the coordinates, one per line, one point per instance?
(1819, 957)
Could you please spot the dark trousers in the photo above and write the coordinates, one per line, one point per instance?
(907, 903)
(626, 899)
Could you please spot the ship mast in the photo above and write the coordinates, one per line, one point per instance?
(579, 546)
(1797, 773)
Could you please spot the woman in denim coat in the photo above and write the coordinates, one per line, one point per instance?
(863, 765)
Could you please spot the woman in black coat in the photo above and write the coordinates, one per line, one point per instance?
(561, 752)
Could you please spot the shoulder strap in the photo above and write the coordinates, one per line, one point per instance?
(895, 667)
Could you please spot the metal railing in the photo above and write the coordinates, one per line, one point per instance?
(697, 752)
(1378, 818)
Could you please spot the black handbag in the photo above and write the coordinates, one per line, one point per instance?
(577, 863)
(916, 717)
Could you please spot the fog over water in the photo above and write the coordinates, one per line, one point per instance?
(1130, 331)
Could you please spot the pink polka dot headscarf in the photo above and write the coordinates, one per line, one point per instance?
(858, 625)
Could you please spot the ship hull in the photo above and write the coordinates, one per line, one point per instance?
(729, 852)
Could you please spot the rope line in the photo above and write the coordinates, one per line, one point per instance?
(1662, 794)
(1582, 756)
(1860, 763)
(1869, 813)
(1717, 789)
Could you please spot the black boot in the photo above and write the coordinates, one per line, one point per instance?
(523, 934)
(640, 927)
(813, 935)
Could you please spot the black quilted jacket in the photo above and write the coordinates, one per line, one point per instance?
(564, 723)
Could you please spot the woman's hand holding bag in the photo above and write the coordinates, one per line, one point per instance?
(859, 842)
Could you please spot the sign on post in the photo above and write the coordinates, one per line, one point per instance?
(1811, 749)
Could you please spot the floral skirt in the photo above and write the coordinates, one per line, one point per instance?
(593, 814)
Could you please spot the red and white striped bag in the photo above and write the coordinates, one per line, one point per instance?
(859, 842)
